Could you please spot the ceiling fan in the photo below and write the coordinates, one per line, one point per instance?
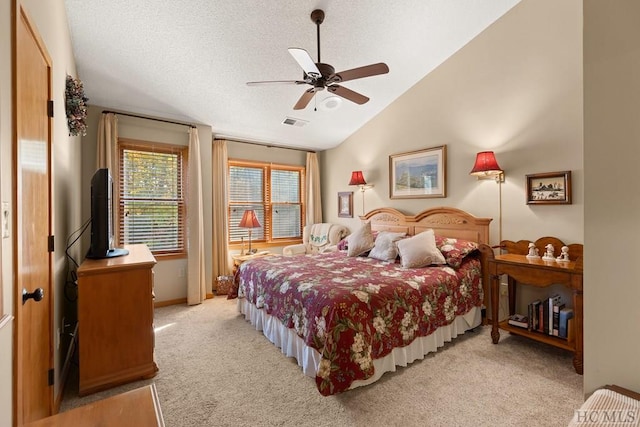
(322, 76)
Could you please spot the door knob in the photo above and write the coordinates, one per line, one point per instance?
(37, 295)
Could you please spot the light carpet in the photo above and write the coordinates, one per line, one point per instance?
(217, 370)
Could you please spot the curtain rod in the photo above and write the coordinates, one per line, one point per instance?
(261, 144)
(149, 118)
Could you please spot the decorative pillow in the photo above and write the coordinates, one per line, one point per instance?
(385, 248)
(454, 250)
(420, 250)
(361, 241)
(343, 244)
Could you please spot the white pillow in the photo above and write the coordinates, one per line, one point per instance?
(384, 248)
(420, 250)
(361, 241)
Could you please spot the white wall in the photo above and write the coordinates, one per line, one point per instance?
(514, 89)
(170, 281)
(51, 21)
(612, 199)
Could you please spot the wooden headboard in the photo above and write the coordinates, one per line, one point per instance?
(444, 221)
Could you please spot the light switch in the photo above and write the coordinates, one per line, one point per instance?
(5, 220)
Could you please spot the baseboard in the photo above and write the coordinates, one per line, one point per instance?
(176, 301)
(66, 367)
(170, 302)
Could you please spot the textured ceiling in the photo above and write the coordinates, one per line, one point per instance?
(189, 60)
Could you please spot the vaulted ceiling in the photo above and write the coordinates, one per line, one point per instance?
(190, 60)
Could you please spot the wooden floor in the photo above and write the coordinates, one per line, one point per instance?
(135, 408)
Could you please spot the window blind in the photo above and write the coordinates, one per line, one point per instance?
(152, 197)
(274, 192)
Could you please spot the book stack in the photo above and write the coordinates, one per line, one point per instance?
(549, 316)
(519, 320)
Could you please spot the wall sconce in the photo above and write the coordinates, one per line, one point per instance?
(486, 167)
(249, 220)
(358, 179)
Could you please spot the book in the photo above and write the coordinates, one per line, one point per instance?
(553, 300)
(541, 317)
(563, 322)
(556, 318)
(519, 320)
(535, 318)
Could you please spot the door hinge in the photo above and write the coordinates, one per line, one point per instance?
(50, 243)
(50, 108)
(52, 377)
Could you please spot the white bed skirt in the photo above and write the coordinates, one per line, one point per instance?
(309, 358)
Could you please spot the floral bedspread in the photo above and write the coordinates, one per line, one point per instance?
(356, 309)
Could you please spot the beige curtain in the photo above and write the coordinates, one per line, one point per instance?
(314, 201)
(196, 286)
(107, 157)
(221, 259)
(107, 141)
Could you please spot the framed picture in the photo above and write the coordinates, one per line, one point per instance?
(418, 174)
(345, 204)
(552, 188)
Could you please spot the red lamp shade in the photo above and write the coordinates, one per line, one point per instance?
(249, 220)
(357, 178)
(486, 164)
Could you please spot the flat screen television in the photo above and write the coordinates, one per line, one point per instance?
(102, 217)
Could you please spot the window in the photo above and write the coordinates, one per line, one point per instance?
(152, 189)
(274, 192)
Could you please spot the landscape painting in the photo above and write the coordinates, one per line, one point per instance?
(550, 188)
(418, 174)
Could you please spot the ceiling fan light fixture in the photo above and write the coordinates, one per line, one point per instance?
(322, 76)
(331, 103)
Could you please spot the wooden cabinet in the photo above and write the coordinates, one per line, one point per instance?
(115, 320)
(522, 270)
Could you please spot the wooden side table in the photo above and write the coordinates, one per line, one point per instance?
(540, 273)
(239, 259)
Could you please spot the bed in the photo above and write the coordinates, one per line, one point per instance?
(349, 319)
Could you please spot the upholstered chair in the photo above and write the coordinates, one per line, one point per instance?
(318, 238)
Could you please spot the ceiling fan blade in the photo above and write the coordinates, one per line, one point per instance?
(277, 82)
(304, 99)
(348, 94)
(360, 72)
(303, 59)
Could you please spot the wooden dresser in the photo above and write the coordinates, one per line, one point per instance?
(115, 320)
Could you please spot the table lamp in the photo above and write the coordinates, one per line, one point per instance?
(249, 220)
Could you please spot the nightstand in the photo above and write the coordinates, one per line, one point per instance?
(239, 259)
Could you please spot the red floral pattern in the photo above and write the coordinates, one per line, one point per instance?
(455, 250)
(355, 309)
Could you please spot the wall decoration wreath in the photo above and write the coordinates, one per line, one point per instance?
(76, 107)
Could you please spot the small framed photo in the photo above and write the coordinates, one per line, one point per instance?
(345, 204)
(418, 174)
(552, 188)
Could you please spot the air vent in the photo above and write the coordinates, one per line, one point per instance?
(294, 122)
